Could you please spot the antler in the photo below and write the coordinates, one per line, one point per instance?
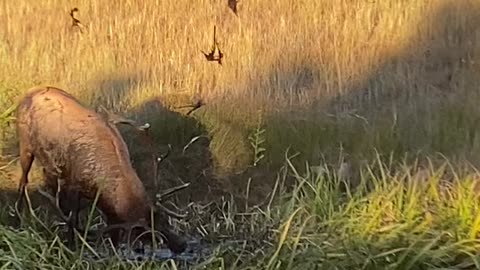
(117, 119)
(168, 193)
(161, 158)
(125, 226)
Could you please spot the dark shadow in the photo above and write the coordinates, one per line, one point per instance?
(111, 90)
(189, 158)
(193, 165)
(418, 103)
(421, 101)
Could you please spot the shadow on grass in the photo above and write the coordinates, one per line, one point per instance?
(111, 90)
(184, 164)
(422, 101)
(189, 159)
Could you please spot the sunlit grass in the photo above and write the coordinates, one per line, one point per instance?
(389, 72)
(406, 217)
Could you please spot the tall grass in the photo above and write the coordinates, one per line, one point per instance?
(344, 83)
(403, 218)
(393, 75)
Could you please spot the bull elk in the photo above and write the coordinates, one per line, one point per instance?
(80, 152)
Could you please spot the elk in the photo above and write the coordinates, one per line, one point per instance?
(82, 153)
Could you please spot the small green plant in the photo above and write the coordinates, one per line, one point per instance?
(257, 139)
(6, 119)
(7, 116)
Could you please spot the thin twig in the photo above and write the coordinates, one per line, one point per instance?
(8, 164)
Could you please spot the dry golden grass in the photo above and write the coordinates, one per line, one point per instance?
(356, 74)
(331, 79)
(158, 44)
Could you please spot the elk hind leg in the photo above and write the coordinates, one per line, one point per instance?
(26, 161)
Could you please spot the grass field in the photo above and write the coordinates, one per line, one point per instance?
(375, 91)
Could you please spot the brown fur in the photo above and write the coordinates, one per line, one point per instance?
(78, 146)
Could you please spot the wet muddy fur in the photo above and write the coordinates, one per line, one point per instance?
(78, 146)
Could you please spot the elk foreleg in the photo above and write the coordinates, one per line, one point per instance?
(73, 208)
